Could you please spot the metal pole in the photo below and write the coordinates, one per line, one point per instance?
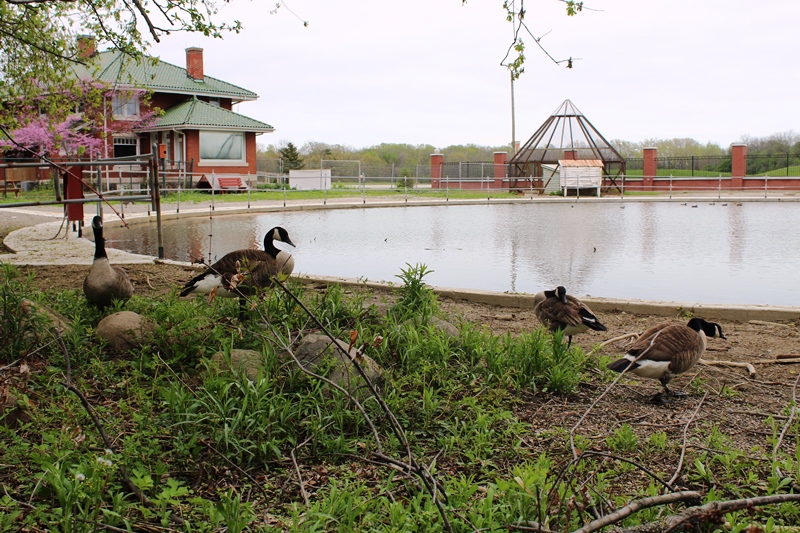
(157, 207)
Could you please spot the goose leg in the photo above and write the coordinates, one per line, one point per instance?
(242, 309)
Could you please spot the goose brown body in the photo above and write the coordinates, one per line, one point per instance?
(242, 272)
(666, 350)
(560, 311)
(105, 282)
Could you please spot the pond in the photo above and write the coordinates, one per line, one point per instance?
(701, 252)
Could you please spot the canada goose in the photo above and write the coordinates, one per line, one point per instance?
(667, 350)
(560, 311)
(238, 274)
(105, 282)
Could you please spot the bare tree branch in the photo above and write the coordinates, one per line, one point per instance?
(636, 506)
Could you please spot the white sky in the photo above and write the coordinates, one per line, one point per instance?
(366, 72)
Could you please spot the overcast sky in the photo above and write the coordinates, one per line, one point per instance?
(365, 72)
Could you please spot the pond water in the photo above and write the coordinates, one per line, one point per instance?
(715, 252)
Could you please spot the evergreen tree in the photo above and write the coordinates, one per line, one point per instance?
(291, 158)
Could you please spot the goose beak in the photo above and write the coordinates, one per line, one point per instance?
(289, 242)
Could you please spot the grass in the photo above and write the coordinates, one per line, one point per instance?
(215, 451)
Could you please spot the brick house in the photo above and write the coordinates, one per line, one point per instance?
(199, 129)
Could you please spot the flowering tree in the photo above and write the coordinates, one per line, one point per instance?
(61, 131)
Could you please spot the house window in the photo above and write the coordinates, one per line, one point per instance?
(125, 146)
(222, 146)
(125, 105)
(215, 101)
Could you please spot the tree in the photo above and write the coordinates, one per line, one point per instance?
(291, 158)
(515, 14)
(62, 131)
(39, 45)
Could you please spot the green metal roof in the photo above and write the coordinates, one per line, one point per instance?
(196, 114)
(118, 69)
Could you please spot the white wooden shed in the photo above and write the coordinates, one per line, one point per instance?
(580, 174)
(307, 180)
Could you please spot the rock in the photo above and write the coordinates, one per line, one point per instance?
(12, 411)
(445, 327)
(125, 330)
(247, 361)
(435, 322)
(317, 351)
(56, 320)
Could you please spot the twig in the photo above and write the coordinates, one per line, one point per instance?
(297, 469)
(751, 370)
(683, 446)
(615, 339)
(237, 467)
(638, 505)
(786, 426)
(424, 475)
(716, 510)
(589, 409)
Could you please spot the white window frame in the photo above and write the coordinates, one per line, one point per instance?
(231, 162)
(125, 106)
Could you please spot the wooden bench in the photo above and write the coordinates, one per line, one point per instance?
(10, 186)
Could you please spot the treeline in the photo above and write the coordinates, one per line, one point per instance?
(405, 157)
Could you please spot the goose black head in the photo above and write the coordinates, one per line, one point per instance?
(97, 222)
(561, 292)
(277, 234)
(710, 329)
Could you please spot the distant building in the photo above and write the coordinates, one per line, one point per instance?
(199, 130)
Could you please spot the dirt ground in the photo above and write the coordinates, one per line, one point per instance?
(740, 404)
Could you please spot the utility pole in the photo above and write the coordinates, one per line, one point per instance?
(513, 125)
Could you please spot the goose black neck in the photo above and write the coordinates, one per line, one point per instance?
(269, 245)
(99, 243)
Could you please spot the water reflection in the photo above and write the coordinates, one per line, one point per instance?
(737, 254)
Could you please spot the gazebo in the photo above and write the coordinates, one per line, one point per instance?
(566, 135)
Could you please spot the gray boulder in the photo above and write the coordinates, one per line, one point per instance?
(316, 352)
(125, 330)
(247, 361)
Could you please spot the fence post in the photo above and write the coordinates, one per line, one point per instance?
(719, 187)
(766, 181)
(178, 207)
(670, 186)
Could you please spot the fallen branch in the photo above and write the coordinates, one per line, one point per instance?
(683, 447)
(766, 323)
(785, 426)
(751, 370)
(615, 339)
(70, 385)
(637, 505)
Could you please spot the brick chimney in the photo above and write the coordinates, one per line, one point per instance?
(86, 46)
(194, 63)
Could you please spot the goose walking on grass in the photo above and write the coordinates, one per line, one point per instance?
(667, 350)
(241, 273)
(559, 311)
(105, 282)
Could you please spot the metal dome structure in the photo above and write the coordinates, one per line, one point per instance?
(566, 134)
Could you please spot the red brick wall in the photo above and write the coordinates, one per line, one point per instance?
(436, 169)
(194, 63)
(738, 165)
